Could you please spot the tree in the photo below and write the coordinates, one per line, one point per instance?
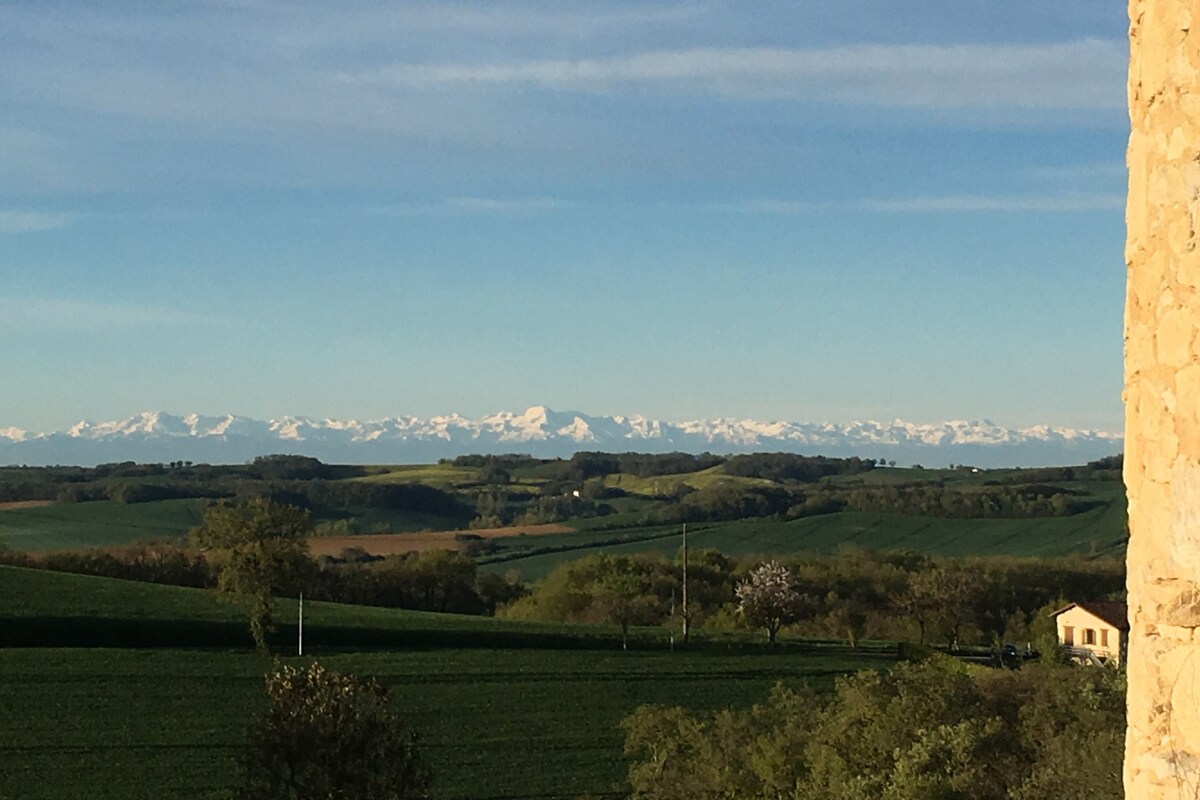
(621, 596)
(847, 617)
(260, 549)
(919, 600)
(768, 599)
(941, 597)
(621, 590)
(932, 730)
(327, 736)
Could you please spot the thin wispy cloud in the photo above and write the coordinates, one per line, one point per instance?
(324, 26)
(768, 206)
(13, 222)
(68, 314)
(455, 206)
(1080, 75)
(1064, 203)
(1103, 170)
(965, 203)
(32, 161)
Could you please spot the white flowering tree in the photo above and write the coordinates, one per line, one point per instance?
(767, 598)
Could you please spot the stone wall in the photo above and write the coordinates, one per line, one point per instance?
(1162, 396)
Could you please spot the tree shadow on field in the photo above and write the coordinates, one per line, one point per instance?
(116, 632)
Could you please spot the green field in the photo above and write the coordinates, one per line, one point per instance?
(99, 524)
(443, 476)
(503, 709)
(1097, 532)
(660, 485)
(106, 523)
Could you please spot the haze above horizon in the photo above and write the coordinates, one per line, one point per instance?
(810, 211)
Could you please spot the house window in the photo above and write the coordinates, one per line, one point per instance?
(1068, 635)
(1104, 637)
(1089, 636)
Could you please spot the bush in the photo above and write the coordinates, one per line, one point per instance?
(934, 729)
(328, 736)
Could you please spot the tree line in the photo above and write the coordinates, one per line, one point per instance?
(934, 729)
(851, 595)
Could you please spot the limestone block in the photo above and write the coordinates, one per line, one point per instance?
(1176, 329)
(1162, 397)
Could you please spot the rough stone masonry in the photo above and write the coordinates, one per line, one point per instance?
(1162, 401)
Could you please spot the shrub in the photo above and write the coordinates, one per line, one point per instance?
(327, 736)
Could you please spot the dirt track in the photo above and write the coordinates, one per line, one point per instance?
(17, 505)
(386, 544)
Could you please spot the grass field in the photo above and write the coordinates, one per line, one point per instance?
(442, 476)
(503, 709)
(662, 485)
(1097, 532)
(106, 523)
(99, 524)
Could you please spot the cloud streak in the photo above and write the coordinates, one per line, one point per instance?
(13, 222)
(65, 314)
(465, 206)
(1085, 74)
(965, 203)
(1049, 203)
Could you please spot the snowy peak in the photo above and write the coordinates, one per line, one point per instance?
(13, 434)
(541, 431)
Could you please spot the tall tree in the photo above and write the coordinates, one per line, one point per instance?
(259, 548)
(621, 595)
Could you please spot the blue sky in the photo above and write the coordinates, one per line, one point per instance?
(804, 210)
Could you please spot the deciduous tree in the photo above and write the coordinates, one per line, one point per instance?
(260, 549)
(768, 599)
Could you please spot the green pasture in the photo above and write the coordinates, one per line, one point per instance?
(504, 710)
(107, 523)
(440, 476)
(98, 524)
(40, 607)
(883, 476)
(666, 485)
(1098, 532)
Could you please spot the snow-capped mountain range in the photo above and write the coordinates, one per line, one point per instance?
(539, 431)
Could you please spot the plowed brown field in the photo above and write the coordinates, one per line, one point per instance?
(386, 544)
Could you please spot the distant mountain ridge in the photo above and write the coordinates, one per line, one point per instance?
(540, 431)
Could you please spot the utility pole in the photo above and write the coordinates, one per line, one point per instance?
(300, 629)
(687, 618)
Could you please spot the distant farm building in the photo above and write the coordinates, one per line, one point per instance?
(1094, 632)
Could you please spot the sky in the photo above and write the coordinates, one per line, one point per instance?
(807, 211)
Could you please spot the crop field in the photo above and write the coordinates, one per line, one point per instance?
(106, 523)
(20, 505)
(659, 485)
(165, 724)
(503, 710)
(1098, 532)
(443, 476)
(385, 544)
(99, 524)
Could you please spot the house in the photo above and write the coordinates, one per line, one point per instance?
(1097, 632)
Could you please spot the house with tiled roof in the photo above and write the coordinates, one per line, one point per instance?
(1096, 632)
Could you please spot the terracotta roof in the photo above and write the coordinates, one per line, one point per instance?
(1111, 611)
